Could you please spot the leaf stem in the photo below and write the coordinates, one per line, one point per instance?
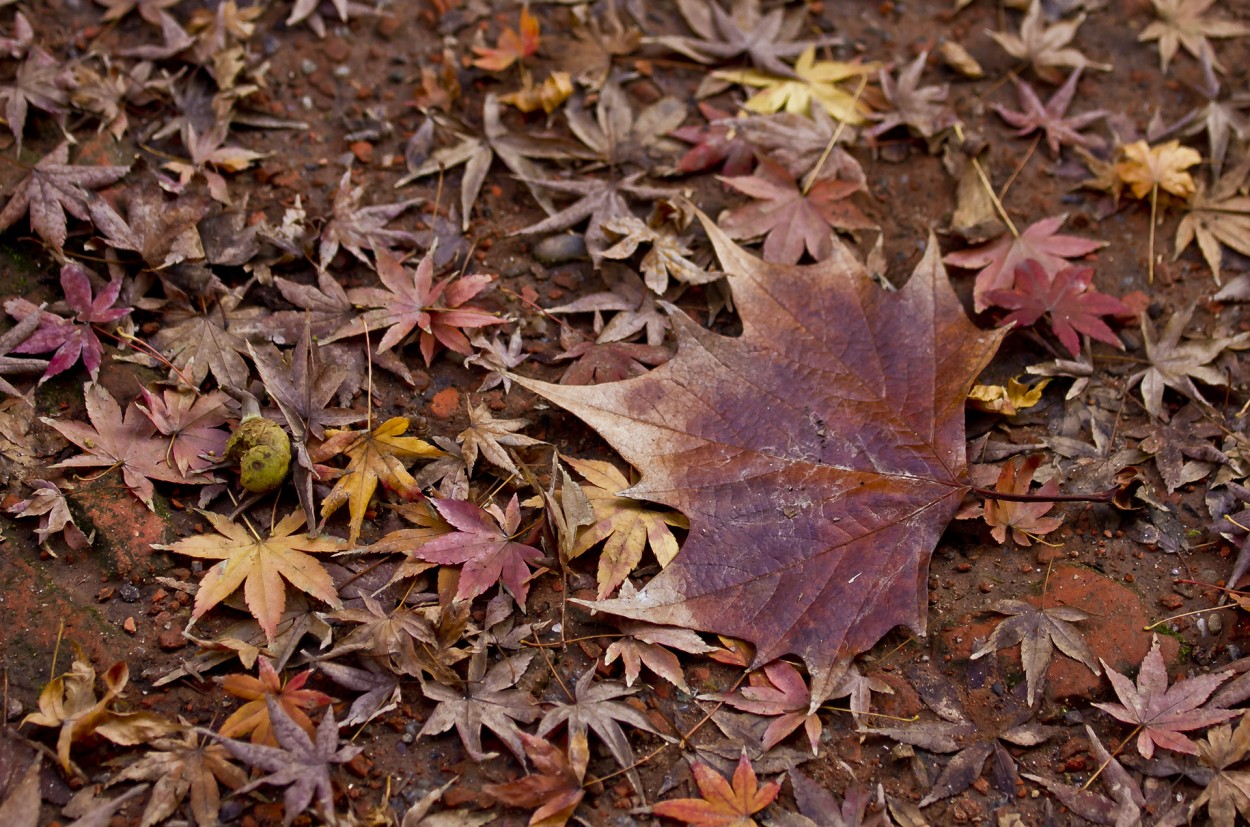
(1004, 496)
(1154, 206)
(1111, 757)
(833, 141)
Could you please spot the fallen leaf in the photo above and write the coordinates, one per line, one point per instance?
(922, 109)
(484, 700)
(199, 340)
(15, 365)
(1144, 167)
(668, 254)
(302, 764)
(492, 438)
(181, 768)
(260, 566)
(819, 808)
(1214, 216)
(20, 797)
(1160, 712)
(1176, 364)
(355, 227)
(721, 803)
(1067, 298)
(636, 310)
(645, 644)
(556, 789)
(41, 81)
(48, 503)
(1227, 794)
(1038, 631)
(382, 454)
(1182, 23)
(497, 359)
(1009, 399)
(547, 96)
(717, 142)
(192, 422)
(810, 82)
(1050, 117)
(1046, 48)
(778, 691)
(786, 402)
(512, 46)
(616, 135)
(998, 260)
(54, 187)
(252, 718)
(1024, 520)
(626, 524)
(745, 30)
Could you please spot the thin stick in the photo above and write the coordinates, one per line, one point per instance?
(1154, 206)
(989, 188)
(1111, 757)
(837, 133)
(1158, 623)
(1024, 162)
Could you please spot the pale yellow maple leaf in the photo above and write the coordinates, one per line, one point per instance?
(1046, 48)
(382, 454)
(260, 566)
(1219, 215)
(1182, 23)
(815, 81)
(1008, 399)
(1144, 167)
(626, 524)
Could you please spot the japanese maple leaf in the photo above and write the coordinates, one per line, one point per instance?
(192, 422)
(1219, 215)
(410, 301)
(921, 108)
(301, 764)
(1046, 48)
(1066, 298)
(47, 502)
(184, 767)
(779, 691)
(75, 338)
(1025, 520)
(599, 202)
(792, 220)
(484, 700)
(478, 148)
(818, 807)
(511, 46)
(809, 82)
(54, 187)
(624, 525)
(1148, 169)
(260, 566)
(113, 441)
(1183, 23)
(11, 365)
(722, 803)
(596, 706)
(999, 259)
(1038, 631)
(616, 135)
(252, 718)
(43, 82)
(645, 644)
(799, 143)
(1161, 712)
(1050, 117)
(635, 307)
(401, 640)
(382, 454)
(744, 30)
(668, 255)
(149, 10)
(1219, 119)
(492, 437)
(555, 790)
(211, 338)
(716, 142)
(484, 542)
(785, 408)
(1176, 364)
(1227, 793)
(355, 227)
(497, 359)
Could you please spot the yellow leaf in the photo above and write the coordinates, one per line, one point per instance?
(1144, 167)
(816, 81)
(627, 525)
(1007, 400)
(546, 96)
(260, 566)
(383, 454)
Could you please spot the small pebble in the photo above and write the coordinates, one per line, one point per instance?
(129, 593)
(1215, 622)
(308, 66)
(558, 249)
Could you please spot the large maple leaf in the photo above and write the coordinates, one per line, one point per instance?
(818, 456)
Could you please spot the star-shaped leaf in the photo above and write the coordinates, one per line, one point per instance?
(743, 30)
(1025, 520)
(355, 227)
(1216, 215)
(200, 340)
(512, 45)
(598, 362)
(811, 81)
(1046, 48)
(556, 789)
(1050, 117)
(252, 718)
(645, 644)
(1145, 168)
(53, 188)
(492, 437)
(667, 257)
(302, 764)
(1175, 364)
(793, 218)
(635, 305)
(780, 692)
(1182, 23)
(1227, 793)
(721, 803)
(1163, 713)
(1067, 298)
(259, 565)
(1038, 631)
(717, 142)
(42, 81)
(192, 423)
(485, 700)
(189, 767)
(923, 109)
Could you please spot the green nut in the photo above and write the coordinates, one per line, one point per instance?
(263, 452)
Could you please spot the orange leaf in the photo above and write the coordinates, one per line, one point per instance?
(722, 804)
(511, 46)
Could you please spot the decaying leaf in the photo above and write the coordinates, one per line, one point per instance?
(485, 700)
(922, 109)
(1227, 794)
(785, 407)
(1024, 520)
(1163, 713)
(745, 30)
(645, 644)
(492, 437)
(1176, 364)
(512, 46)
(1216, 215)
(1038, 631)
(180, 769)
(355, 228)
(1182, 23)
(252, 718)
(818, 807)
(1051, 118)
(262, 567)
(810, 82)
(1165, 166)
(48, 503)
(721, 803)
(1008, 399)
(778, 691)
(1046, 48)
(556, 789)
(53, 188)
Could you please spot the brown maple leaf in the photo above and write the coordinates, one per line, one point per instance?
(1050, 117)
(47, 502)
(402, 640)
(1038, 631)
(113, 441)
(635, 305)
(597, 362)
(42, 81)
(1024, 520)
(484, 700)
(69, 702)
(801, 573)
(779, 691)
(262, 567)
(1149, 169)
(721, 803)
(53, 188)
(1216, 215)
(818, 807)
(1176, 364)
(302, 765)
(616, 135)
(190, 767)
(192, 423)
(556, 789)
(252, 718)
(645, 644)
(204, 339)
(668, 254)
(355, 227)
(792, 217)
(1227, 793)
(382, 454)
(1160, 712)
(1046, 48)
(1183, 23)
(921, 108)
(492, 437)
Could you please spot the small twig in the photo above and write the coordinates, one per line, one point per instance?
(1028, 156)
(1158, 623)
(1154, 206)
(1111, 757)
(989, 188)
(833, 141)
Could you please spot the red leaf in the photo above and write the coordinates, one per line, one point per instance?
(1073, 306)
